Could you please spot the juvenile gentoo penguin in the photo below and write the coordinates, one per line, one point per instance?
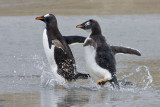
(100, 58)
(58, 53)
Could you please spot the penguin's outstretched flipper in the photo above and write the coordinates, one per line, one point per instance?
(124, 50)
(58, 44)
(115, 49)
(71, 40)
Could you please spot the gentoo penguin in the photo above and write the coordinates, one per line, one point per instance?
(100, 58)
(58, 53)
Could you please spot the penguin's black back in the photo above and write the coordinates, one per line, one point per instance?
(104, 55)
(105, 58)
(65, 61)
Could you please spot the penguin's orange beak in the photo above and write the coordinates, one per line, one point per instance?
(39, 18)
(79, 26)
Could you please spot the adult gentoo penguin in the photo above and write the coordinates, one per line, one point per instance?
(58, 53)
(100, 58)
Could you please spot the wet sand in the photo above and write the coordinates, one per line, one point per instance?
(78, 7)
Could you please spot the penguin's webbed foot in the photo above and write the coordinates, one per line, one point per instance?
(101, 81)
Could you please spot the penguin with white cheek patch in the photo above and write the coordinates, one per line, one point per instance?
(99, 56)
(58, 52)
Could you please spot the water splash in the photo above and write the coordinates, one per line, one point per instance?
(48, 81)
(87, 85)
(141, 78)
(147, 78)
(39, 62)
(138, 79)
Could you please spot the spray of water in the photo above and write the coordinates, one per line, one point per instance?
(139, 79)
(147, 78)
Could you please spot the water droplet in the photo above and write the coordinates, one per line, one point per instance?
(15, 71)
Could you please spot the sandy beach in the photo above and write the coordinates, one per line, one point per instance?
(78, 7)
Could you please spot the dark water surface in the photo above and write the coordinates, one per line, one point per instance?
(26, 79)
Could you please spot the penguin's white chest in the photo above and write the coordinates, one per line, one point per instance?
(50, 56)
(49, 52)
(96, 72)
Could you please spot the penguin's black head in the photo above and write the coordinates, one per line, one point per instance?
(91, 25)
(88, 25)
(48, 18)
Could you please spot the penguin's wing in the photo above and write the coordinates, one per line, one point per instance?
(74, 39)
(58, 44)
(90, 42)
(50, 42)
(124, 50)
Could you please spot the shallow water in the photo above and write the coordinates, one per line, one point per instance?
(27, 80)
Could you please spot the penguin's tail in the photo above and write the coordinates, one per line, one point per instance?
(115, 83)
(81, 76)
